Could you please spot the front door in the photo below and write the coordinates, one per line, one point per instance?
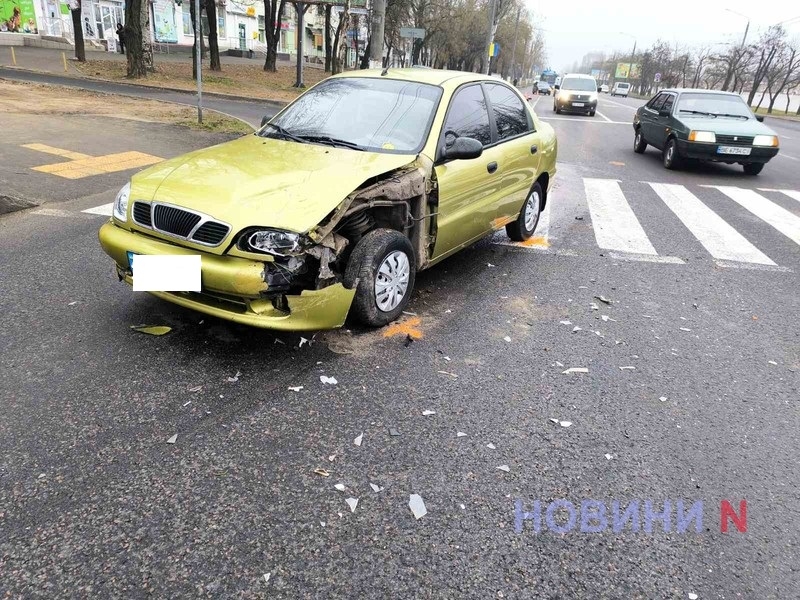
(649, 118)
(468, 189)
(661, 124)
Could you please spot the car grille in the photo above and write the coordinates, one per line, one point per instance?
(744, 140)
(580, 98)
(141, 214)
(180, 223)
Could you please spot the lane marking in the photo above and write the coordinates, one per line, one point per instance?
(672, 260)
(99, 165)
(587, 121)
(615, 224)
(780, 218)
(57, 151)
(791, 193)
(605, 117)
(751, 266)
(720, 239)
(104, 210)
(787, 156)
(619, 104)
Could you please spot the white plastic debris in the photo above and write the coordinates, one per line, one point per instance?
(507, 339)
(340, 487)
(609, 456)
(772, 362)
(627, 368)
(566, 322)
(603, 299)
(329, 380)
(194, 389)
(332, 457)
(185, 404)
(352, 503)
(491, 446)
(375, 488)
(553, 420)
(461, 434)
(447, 358)
(322, 472)
(504, 468)
(448, 311)
(594, 306)
(463, 507)
(565, 423)
(663, 398)
(607, 318)
(428, 413)
(490, 265)
(685, 329)
(173, 439)
(322, 523)
(235, 378)
(410, 314)
(73, 303)
(266, 577)
(417, 506)
(559, 364)
(358, 440)
(304, 341)
(692, 596)
(575, 370)
(295, 388)
(576, 329)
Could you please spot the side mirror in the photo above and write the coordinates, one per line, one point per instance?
(463, 148)
(760, 118)
(557, 87)
(264, 120)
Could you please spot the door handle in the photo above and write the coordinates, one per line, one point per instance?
(534, 149)
(491, 167)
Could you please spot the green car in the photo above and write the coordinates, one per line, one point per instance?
(704, 125)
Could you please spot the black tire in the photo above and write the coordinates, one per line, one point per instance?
(591, 113)
(639, 143)
(519, 230)
(753, 168)
(672, 159)
(365, 261)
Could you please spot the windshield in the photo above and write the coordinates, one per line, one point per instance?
(714, 104)
(379, 115)
(579, 84)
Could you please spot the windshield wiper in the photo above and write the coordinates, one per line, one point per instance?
(698, 112)
(332, 141)
(285, 134)
(732, 115)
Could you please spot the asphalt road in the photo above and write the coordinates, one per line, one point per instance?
(94, 501)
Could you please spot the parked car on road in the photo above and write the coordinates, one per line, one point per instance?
(621, 89)
(334, 205)
(576, 93)
(704, 125)
(604, 88)
(542, 87)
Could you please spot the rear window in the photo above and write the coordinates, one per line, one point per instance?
(623, 86)
(579, 84)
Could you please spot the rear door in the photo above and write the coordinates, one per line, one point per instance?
(518, 141)
(469, 190)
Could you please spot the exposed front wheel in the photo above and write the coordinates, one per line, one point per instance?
(753, 168)
(671, 158)
(383, 265)
(639, 143)
(523, 228)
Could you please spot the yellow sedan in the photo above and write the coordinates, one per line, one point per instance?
(333, 206)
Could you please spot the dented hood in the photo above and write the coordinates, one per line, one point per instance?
(263, 182)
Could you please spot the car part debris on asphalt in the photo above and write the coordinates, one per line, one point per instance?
(491, 446)
(417, 506)
(295, 388)
(322, 472)
(375, 488)
(358, 440)
(328, 380)
(152, 329)
(173, 439)
(235, 378)
(428, 413)
(340, 487)
(504, 468)
(461, 434)
(575, 370)
(565, 423)
(352, 503)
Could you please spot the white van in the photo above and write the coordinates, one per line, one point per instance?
(620, 89)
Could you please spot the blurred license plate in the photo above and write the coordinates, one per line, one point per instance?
(733, 150)
(577, 104)
(165, 273)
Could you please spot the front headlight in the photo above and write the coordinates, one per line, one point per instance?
(273, 241)
(593, 97)
(766, 140)
(702, 136)
(121, 203)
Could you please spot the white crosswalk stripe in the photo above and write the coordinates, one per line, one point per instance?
(791, 193)
(104, 210)
(615, 225)
(720, 239)
(766, 210)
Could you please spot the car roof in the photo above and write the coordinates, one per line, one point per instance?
(578, 75)
(429, 76)
(699, 91)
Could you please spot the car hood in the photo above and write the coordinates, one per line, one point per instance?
(263, 181)
(727, 126)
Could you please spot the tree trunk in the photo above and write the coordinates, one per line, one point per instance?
(763, 95)
(341, 30)
(133, 38)
(273, 9)
(213, 42)
(193, 16)
(328, 60)
(77, 26)
(367, 50)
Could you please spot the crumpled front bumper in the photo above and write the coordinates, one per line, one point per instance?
(233, 288)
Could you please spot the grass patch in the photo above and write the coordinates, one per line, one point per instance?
(778, 113)
(215, 123)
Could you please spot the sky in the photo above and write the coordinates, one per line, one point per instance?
(572, 29)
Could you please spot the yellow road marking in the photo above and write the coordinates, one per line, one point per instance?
(408, 328)
(57, 151)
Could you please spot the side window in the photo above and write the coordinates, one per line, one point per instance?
(657, 102)
(509, 112)
(668, 103)
(468, 116)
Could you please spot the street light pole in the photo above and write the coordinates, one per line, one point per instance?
(490, 36)
(746, 29)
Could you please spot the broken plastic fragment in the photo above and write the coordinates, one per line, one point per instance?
(295, 388)
(490, 265)
(340, 487)
(330, 380)
(565, 423)
(692, 596)
(685, 329)
(463, 507)
(332, 457)
(772, 362)
(152, 329)
(322, 523)
(266, 577)
(594, 306)
(576, 329)
(173, 439)
(627, 368)
(609, 456)
(663, 398)
(185, 404)
(575, 370)
(507, 339)
(417, 506)
(428, 413)
(447, 358)
(322, 472)
(603, 299)
(448, 311)
(358, 440)
(196, 388)
(352, 503)
(559, 364)
(491, 446)
(566, 322)
(235, 378)
(393, 431)
(553, 420)
(73, 303)
(504, 468)
(607, 318)
(375, 488)
(303, 341)
(461, 434)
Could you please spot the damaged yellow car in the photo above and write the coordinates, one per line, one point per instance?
(333, 206)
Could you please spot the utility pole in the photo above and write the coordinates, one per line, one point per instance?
(514, 49)
(301, 11)
(490, 36)
(377, 29)
(198, 31)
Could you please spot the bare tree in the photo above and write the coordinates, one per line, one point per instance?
(135, 23)
(273, 10)
(768, 47)
(77, 27)
(213, 42)
(341, 30)
(786, 71)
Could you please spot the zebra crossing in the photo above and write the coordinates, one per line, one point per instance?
(620, 230)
